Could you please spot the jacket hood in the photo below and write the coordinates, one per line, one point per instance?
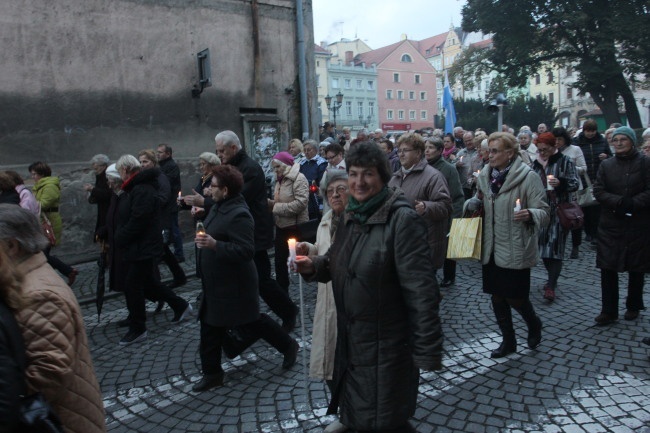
(293, 172)
(419, 166)
(149, 176)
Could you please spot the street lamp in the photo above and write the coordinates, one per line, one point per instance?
(334, 106)
(497, 105)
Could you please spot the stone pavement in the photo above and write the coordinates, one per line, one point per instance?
(582, 378)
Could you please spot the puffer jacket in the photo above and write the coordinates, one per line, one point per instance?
(58, 360)
(591, 148)
(48, 194)
(291, 196)
(388, 326)
(513, 243)
(12, 364)
(425, 183)
(624, 237)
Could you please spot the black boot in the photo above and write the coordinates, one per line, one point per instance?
(534, 323)
(503, 315)
(208, 381)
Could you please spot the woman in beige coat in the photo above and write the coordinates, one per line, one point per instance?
(515, 208)
(58, 360)
(323, 340)
(289, 206)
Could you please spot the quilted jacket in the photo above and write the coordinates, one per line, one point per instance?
(58, 359)
(291, 196)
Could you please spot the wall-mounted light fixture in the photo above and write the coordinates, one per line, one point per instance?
(205, 73)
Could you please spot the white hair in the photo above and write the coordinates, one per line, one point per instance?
(128, 163)
(228, 138)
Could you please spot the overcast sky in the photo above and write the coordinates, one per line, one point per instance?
(382, 22)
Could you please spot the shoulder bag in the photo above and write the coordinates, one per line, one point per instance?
(585, 196)
(48, 230)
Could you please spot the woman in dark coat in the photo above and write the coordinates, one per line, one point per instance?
(230, 290)
(623, 190)
(386, 299)
(559, 176)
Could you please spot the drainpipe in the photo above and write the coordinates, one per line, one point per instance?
(302, 71)
(257, 74)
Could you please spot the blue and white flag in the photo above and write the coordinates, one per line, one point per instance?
(448, 105)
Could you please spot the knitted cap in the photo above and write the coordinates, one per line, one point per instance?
(627, 131)
(284, 157)
(112, 172)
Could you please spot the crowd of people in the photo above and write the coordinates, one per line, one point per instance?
(368, 201)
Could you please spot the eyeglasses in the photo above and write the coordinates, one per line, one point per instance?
(494, 150)
(405, 150)
(329, 158)
(543, 150)
(338, 190)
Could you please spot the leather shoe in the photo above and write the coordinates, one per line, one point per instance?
(447, 283)
(290, 355)
(631, 315)
(605, 319)
(208, 381)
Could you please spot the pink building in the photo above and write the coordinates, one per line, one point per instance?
(406, 86)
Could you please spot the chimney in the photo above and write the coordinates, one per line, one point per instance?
(404, 36)
(349, 57)
(323, 44)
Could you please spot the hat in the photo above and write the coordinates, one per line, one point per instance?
(546, 138)
(284, 157)
(111, 171)
(627, 131)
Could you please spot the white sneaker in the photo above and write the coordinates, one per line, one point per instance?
(336, 427)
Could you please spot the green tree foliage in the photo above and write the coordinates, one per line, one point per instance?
(606, 41)
(472, 113)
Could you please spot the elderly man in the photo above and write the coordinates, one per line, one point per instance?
(458, 136)
(229, 150)
(58, 362)
(464, 162)
(313, 167)
(100, 193)
(138, 234)
(542, 128)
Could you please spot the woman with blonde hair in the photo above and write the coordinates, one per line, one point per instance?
(296, 149)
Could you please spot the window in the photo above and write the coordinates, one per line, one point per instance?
(317, 80)
(389, 114)
(411, 95)
(550, 97)
(569, 71)
(439, 84)
(371, 108)
(317, 63)
(417, 78)
(406, 58)
(359, 84)
(371, 85)
(396, 77)
(359, 108)
(400, 114)
(537, 79)
(389, 94)
(348, 83)
(348, 108)
(550, 76)
(569, 92)
(423, 115)
(423, 96)
(478, 87)
(335, 83)
(437, 64)
(411, 114)
(400, 94)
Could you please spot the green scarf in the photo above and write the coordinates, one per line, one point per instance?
(362, 211)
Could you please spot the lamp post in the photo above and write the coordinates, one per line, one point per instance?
(497, 105)
(334, 106)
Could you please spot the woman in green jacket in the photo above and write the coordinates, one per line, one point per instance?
(515, 208)
(47, 191)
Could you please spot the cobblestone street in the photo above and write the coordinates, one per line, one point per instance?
(582, 378)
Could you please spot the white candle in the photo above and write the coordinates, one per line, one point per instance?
(461, 159)
(517, 205)
(548, 183)
(292, 249)
(476, 173)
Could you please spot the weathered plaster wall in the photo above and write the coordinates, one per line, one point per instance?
(81, 77)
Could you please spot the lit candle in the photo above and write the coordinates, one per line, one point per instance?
(292, 249)
(517, 205)
(476, 173)
(461, 159)
(548, 183)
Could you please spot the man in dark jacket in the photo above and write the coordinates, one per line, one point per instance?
(173, 173)
(229, 150)
(138, 233)
(100, 194)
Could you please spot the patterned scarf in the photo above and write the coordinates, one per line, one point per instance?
(498, 178)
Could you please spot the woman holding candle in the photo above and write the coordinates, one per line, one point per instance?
(509, 248)
(289, 206)
(386, 299)
(230, 290)
(323, 341)
(559, 174)
(200, 201)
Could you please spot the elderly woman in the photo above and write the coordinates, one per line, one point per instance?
(558, 173)
(623, 190)
(386, 299)
(527, 150)
(296, 150)
(47, 191)
(427, 190)
(323, 342)
(58, 362)
(289, 206)
(199, 201)
(574, 153)
(515, 210)
(230, 294)
(645, 146)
